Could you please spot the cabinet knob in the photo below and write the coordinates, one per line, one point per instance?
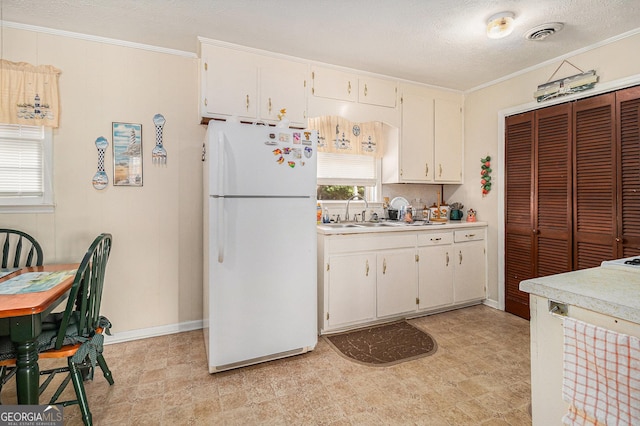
(349, 88)
(247, 103)
(426, 169)
(618, 239)
(535, 231)
(366, 274)
(384, 266)
(269, 106)
(365, 89)
(440, 173)
(460, 255)
(447, 256)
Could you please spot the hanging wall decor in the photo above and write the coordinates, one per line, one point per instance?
(566, 86)
(485, 175)
(127, 154)
(159, 154)
(100, 179)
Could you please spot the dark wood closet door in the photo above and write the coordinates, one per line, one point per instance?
(552, 198)
(519, 137)
(628, 113)
(594, 142)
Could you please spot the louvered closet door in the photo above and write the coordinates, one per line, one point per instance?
(552, 196)
(518, 210)
(594, 136)
(628, 113)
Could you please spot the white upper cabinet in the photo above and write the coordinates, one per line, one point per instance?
(343, 86)
(229, 83)
(376, 91)
(430, 145)
(448, 141)
(283, 85)
(251, 86)
(416, 146)
(333, 84)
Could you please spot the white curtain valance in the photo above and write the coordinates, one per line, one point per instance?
(29, 94)
(341, 136)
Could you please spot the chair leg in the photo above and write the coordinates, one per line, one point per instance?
(76, 378)
(105, 369)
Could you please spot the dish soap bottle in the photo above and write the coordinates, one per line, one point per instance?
(318, 213)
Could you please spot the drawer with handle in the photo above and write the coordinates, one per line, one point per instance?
(468, 235)
(434, 238)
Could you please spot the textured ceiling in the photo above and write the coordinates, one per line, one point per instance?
(438, 42)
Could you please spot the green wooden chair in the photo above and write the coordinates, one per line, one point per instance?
(77, 333)
(19, 249)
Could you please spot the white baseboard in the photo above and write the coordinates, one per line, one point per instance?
(143, 333)
(492, 304)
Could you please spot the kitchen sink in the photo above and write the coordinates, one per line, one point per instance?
(340, 225)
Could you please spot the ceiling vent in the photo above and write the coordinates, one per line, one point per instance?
(543, 31)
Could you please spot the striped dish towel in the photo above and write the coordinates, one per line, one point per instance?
(601, 379)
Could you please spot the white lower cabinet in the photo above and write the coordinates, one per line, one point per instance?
(470, 266)
(396, 282)
(369, 277)
(435, 284)
(352, 293)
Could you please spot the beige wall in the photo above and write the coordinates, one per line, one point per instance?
(154, 276)
(483, 108)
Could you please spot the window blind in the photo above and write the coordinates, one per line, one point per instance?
(21, 161)
(346, 169)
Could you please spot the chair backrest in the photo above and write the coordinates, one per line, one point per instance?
(85, 296)
(19, 249)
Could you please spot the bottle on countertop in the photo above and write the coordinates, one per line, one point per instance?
(318, 213)
(325, 217)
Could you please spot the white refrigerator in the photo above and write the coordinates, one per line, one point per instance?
(260, 290)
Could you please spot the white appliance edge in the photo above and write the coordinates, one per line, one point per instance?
(260, 245)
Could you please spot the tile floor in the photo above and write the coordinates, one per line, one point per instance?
(478, 376)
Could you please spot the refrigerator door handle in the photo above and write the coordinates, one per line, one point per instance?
(220, 233)
(221, 150)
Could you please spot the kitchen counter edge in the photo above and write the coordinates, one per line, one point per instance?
(325, 230)
(608, 291)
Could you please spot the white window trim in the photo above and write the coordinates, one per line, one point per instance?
(372, 192)
(44, 203)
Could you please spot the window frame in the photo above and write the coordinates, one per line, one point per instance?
(39, 204)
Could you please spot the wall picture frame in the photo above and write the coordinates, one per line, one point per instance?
(127, 154)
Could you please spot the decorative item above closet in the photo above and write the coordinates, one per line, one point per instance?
(566, 86)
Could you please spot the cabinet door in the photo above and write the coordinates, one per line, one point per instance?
(435, 275)
(396, 284)
(628, 113)
(283, 85)
(594, 177)
(519, 189)
(332, 84)
(352, 289)
(448, 141)
(230, 83)
(416, 147)
(469, 271)
(376, 91)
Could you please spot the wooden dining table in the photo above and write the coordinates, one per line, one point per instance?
(21, 315)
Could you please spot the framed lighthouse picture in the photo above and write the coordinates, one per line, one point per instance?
(127, 154)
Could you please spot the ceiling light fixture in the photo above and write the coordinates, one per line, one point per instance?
(500, 25)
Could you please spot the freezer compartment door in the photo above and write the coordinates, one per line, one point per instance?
(249, 160)
(262, 290)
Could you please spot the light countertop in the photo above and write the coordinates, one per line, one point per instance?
(400, 227)
(610, 291)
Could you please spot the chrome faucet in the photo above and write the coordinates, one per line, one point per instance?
(353, 197)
